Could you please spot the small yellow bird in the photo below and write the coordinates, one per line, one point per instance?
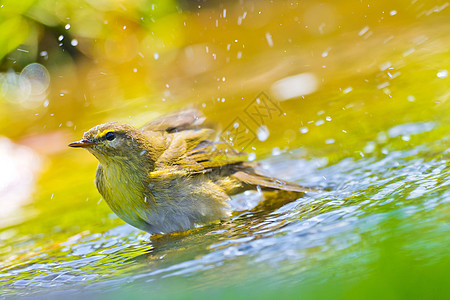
(170, 174)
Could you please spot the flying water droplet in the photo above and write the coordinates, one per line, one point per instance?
(442, 74)
(263, 133)
(251, 156)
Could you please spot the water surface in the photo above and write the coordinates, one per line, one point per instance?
(360, 109)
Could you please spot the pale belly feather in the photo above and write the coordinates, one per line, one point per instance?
(162, 206)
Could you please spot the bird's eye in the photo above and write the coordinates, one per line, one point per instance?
(110, 136)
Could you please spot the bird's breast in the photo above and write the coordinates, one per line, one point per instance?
(125, 193)
(162, 204)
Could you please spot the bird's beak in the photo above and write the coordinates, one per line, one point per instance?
(81, 144)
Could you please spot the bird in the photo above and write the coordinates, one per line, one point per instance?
(173, 173)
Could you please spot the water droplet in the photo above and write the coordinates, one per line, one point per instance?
(74, 42)
(276, 151)
(442, 74)
(269, 39)
(263, 133)
(320, 122)
(251, 156)
(383, 85)
(347, 90)
(258, 188)
(370, 147)
(363, 31)
(385, 66)
(408, 52)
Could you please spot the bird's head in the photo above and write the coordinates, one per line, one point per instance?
(113, 141)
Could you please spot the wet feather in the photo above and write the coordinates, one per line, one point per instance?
(172, 173)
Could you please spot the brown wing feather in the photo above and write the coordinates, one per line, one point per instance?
(193, 148)
(182, 120)
(266, 182)
(196, 150)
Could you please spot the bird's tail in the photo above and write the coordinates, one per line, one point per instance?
(267, 183)
(276, 192)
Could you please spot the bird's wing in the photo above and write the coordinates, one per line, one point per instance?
(196, 150)
(182, 120)
(270, 183)
(185, 148)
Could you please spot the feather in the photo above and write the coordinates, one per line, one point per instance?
(174, 173)
(270, 183)
(182, 120)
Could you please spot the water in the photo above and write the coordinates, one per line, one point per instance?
(356, 105)
(344, 224)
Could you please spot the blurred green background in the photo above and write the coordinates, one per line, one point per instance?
(362, 89)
